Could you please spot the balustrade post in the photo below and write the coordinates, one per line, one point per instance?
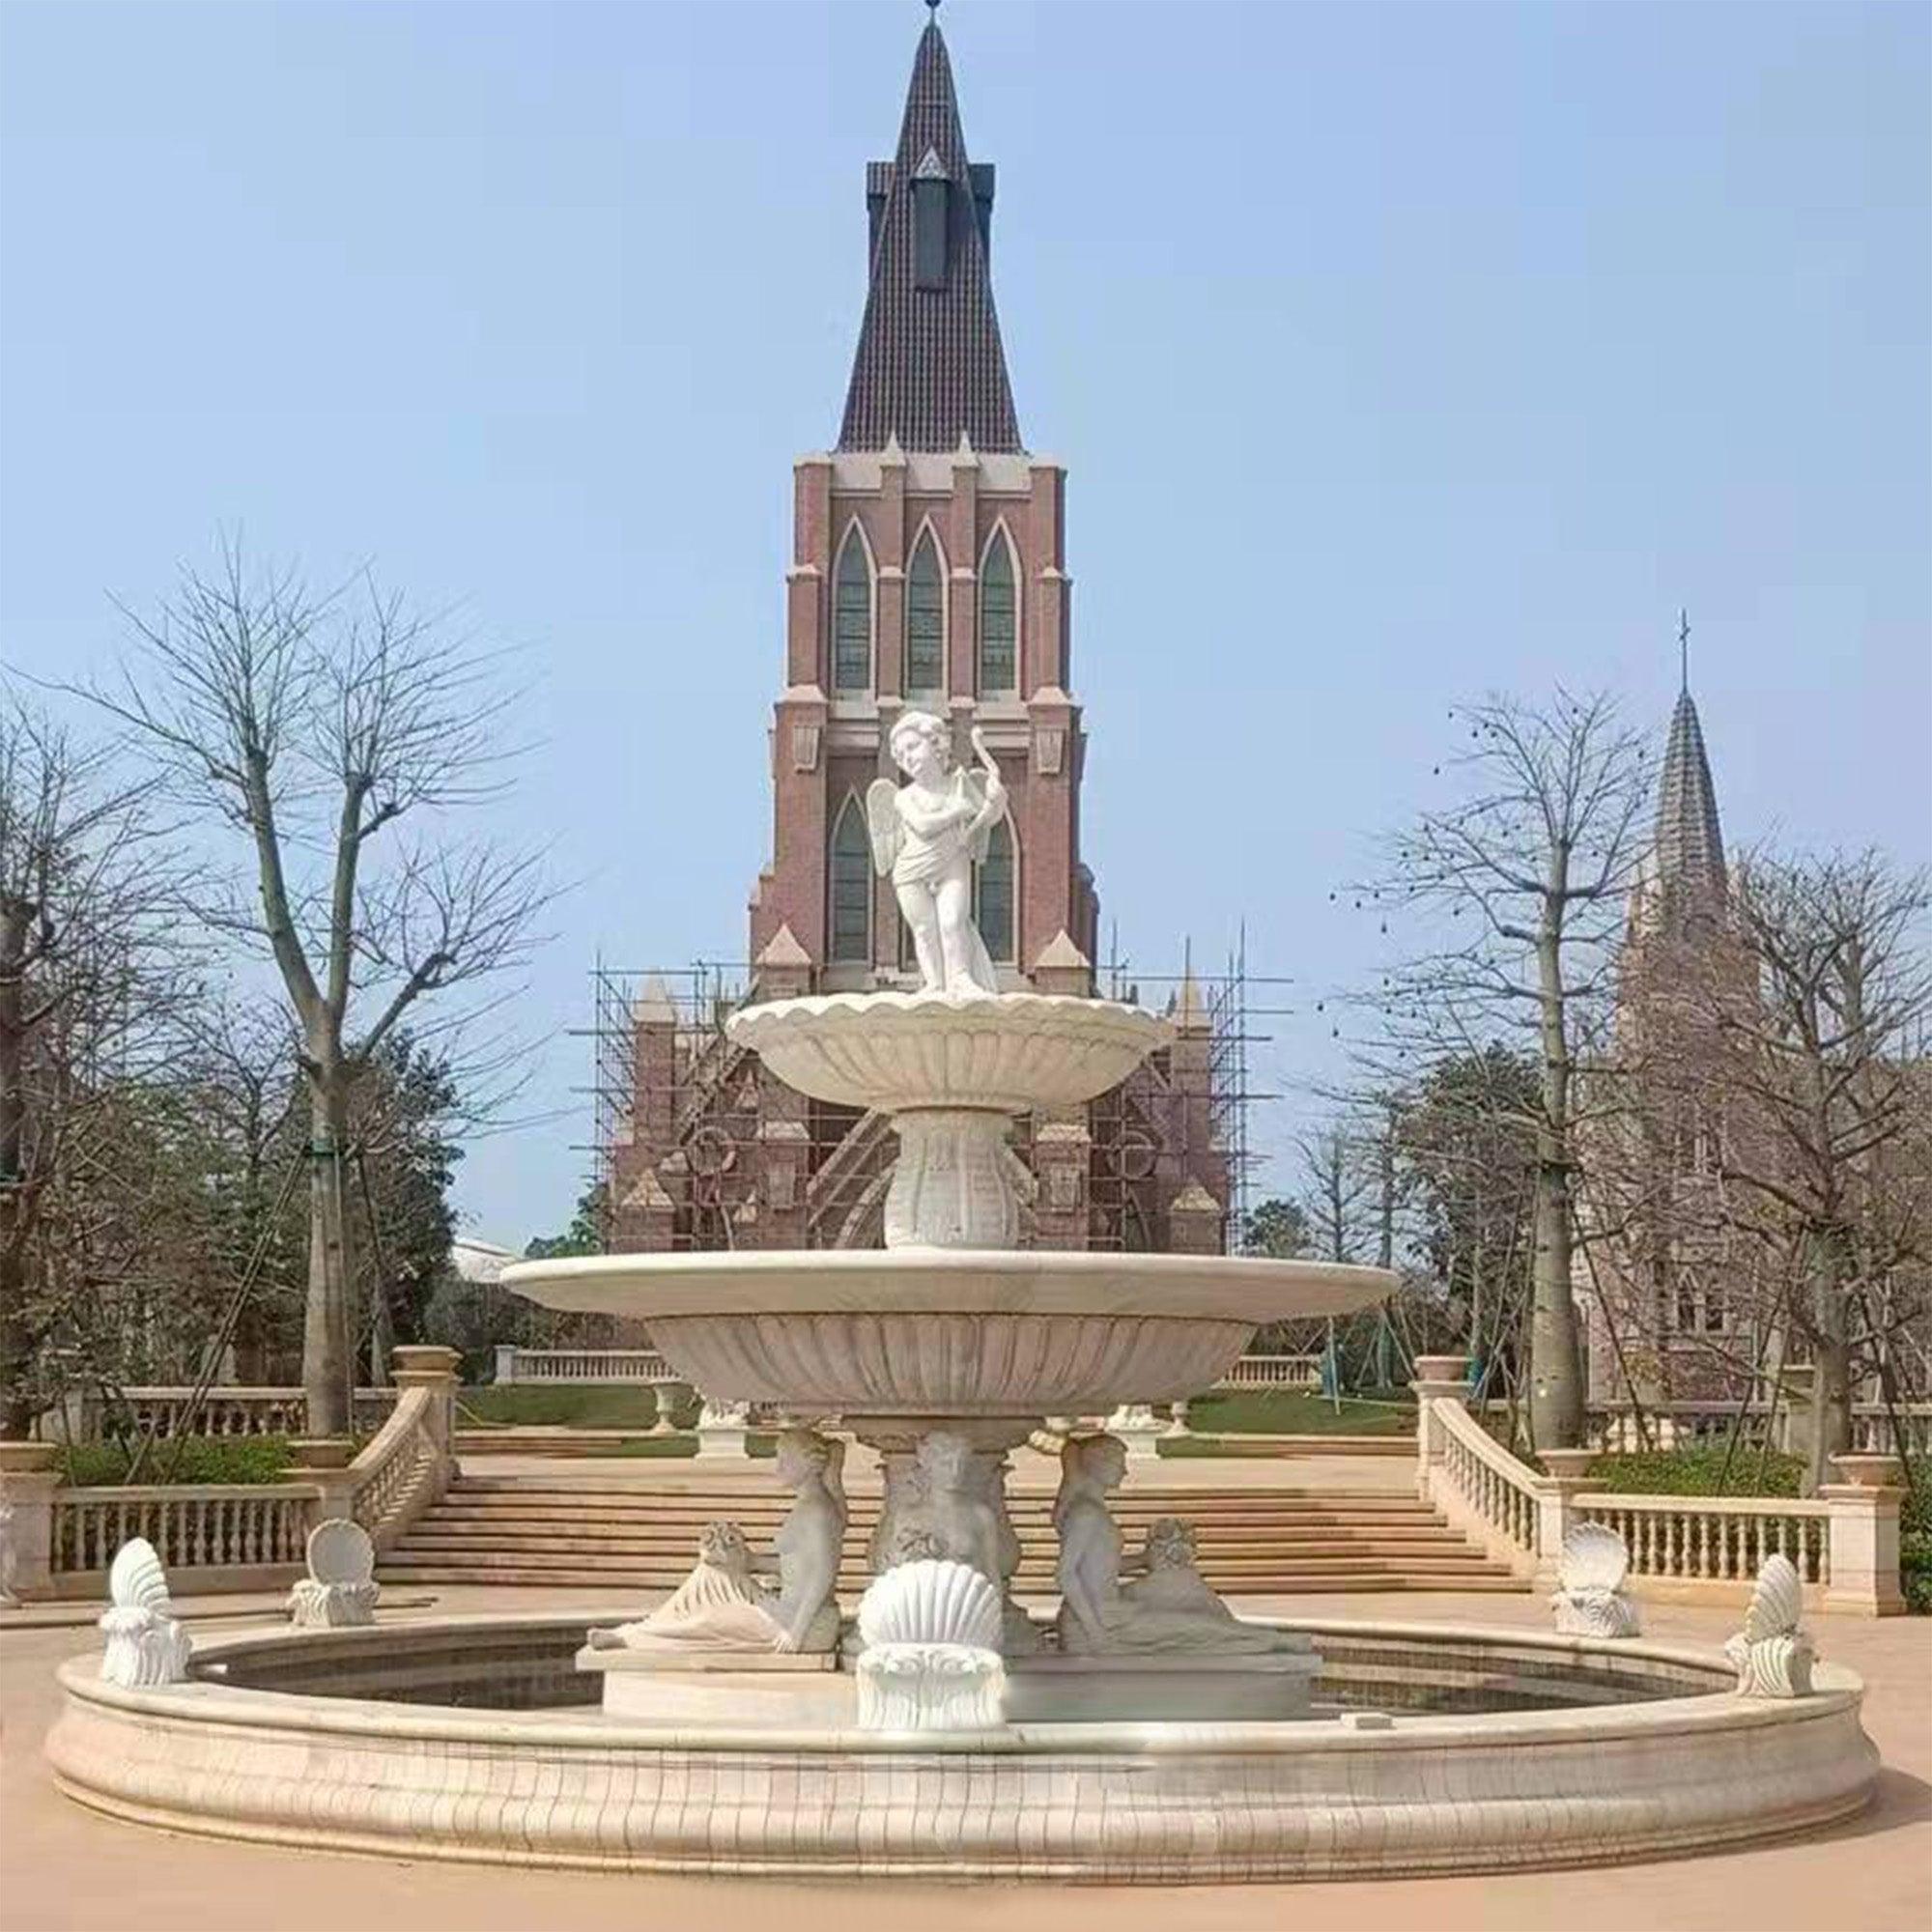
(435, 1368)
(27, 1485)
(324, 1461)
(1557, 1506)
(505, 1370)
(1862, 1547)
(1439, 1378)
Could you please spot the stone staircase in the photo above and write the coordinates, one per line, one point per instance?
(642, 1535)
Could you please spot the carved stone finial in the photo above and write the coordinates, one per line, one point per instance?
(340, 1590)
(1770, 1655)
(146, 1646)
(1589, 1599)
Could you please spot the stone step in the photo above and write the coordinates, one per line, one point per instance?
(1280, 1583)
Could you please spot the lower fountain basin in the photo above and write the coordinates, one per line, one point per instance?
(473, 1739)
(948, 1332)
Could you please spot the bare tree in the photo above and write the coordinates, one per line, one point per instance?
(338, 739)
(1826, 1138)
(81, 998)
(1519, 888)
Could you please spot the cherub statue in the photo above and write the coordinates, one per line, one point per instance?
(928, 834)
(1168, 1607)
(721, 1605)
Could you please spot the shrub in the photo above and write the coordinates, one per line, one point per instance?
(190, 1459)
(1701, 1471)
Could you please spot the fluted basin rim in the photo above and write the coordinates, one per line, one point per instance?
(953, 1281)
(1002, 1052)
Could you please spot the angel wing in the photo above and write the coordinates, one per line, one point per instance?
(882, 821)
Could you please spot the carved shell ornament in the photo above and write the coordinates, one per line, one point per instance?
(1777, 1601)
(136, 1580)
(933, 1600)
(1594, 1558)
(339, 1552)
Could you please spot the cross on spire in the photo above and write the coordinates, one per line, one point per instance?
(1683, 650)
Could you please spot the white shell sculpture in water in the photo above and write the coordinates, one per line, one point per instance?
(1589, 1600)
(931, 1662)
(146, 1646)
(1772, 1656)
(340, 1590)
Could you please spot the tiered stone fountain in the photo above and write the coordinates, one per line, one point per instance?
(950, 1348)
(1148, 1735)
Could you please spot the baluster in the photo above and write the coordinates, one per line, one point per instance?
(1703, 1545)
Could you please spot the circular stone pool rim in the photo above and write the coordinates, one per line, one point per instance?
(1148, 1803)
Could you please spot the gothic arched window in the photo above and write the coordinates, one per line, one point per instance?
(852, 615)
(999, 628)
(925, 621)
(993, 896)
(849, 887)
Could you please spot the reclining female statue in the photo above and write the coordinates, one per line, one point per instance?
(1168, 1607)
(721, 1605)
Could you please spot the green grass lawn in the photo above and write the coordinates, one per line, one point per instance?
(570, 1405)
(1295, 1413)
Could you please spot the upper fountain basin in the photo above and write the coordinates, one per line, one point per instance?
(958, 1331)
(896, 1052)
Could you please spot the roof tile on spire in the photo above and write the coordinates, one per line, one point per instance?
(930, 367)
(1689, 840)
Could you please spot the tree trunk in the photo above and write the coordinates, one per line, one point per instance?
(1830, 1419)
(16, 1335)
(1555, 1352)
(325, 1326)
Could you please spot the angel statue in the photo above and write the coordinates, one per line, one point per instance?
(928, 834)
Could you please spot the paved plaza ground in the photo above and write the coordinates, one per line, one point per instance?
(62, 1867)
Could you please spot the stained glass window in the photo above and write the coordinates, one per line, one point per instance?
(851, 886)
(999, 657)
(852, 616)
(925, 622)
(993, 894)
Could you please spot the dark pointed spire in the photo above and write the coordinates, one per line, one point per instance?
(930, 367)
(1689, 840)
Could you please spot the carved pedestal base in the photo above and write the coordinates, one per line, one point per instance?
(953, 1185)
(316, 1606)
(930, 1687)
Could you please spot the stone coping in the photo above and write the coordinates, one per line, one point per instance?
(949, 1280)
(1147, 1802)
(210, 1701)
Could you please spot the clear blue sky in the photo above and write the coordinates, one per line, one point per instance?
(1397, 352)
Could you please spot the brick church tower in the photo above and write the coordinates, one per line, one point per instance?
(927, 571)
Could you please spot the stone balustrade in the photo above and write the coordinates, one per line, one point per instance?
(226, 1409)
(518, 1366)
(1675, 1424)
(1273, 1372)
(1843, 1541)
(235, 1536)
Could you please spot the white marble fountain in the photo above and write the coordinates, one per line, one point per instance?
(752, 1723)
